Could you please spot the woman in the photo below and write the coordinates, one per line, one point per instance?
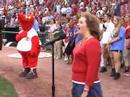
(58, 44)
(52, 28)
(66, 41)
(71, 44)
(126, 53)
(117, 46)
(86, 59)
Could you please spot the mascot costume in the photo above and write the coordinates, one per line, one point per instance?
(28, 46)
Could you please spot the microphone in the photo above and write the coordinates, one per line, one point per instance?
(60, 37)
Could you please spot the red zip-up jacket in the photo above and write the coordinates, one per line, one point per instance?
(86, 61)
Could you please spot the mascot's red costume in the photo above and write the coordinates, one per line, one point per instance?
(28, 46)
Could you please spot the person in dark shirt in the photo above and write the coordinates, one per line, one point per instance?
(58, 45)
(117, 10)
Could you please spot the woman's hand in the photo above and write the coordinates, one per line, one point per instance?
(84, 94)
(114, 40)
(86, 90)
(109, 42)
(127, 27)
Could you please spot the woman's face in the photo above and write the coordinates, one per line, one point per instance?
(105, 18)
(115, 21)
(82, 26)
(52, 21)
(58, 25)
(127, 19)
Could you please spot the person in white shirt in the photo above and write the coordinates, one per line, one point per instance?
(63, 10)
(46, 10)
(41, 2)
(52, 28)
(81, 5)
(109, 28)
(58, 8)
(68, 10)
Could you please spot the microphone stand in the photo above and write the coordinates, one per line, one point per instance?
(53, 71)
(53, 61)
(53, 67)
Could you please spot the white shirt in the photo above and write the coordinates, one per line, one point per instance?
(68, 10)
(65, 1)
(25, 44)
(41, 2)
(107, 34)
(43, 20)
(46, 10)
(28, 2)
(63, 10)
(52, 28)
(81, 5)
(101, 26)
(58, 8)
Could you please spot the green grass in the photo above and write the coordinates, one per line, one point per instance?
(6, 88)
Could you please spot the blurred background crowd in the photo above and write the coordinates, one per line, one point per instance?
(55, 8)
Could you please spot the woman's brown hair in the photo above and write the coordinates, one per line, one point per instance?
(93, 24)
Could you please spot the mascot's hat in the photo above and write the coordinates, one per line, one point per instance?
(26, 21)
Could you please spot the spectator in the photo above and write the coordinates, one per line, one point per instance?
(66, 40)
(36, 26)
(109, 27)
(126, 52)
(86, 60)
(58, 8)
(13, 21)
(58, 44)
(41, 2)
(74, 9)
(117, 47)
(52, 28)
